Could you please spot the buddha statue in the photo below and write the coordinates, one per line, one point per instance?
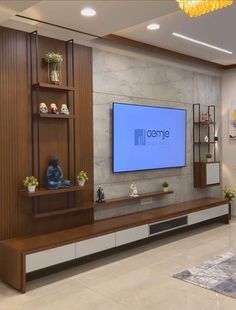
(54, 177)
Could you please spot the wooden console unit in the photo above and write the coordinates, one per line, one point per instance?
(23, 255)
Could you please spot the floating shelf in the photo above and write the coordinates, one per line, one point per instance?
(61, 116)
(207, 143)
(62, 211)
(124, 200)
(48, 192)
(54, 86)
(205, 123)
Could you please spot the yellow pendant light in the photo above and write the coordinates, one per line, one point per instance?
(196, 8)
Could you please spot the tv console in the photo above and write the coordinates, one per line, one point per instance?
(24, 255)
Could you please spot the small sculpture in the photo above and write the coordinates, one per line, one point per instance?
(206, 139)
(54, 177)
(54, 109)
(64, 109)
(43, 108)
(133, 190)
(100, 195)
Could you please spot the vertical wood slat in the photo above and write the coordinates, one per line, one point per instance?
(16, 136)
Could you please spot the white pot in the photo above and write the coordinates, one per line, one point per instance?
(31, 188)
(80, 182)
(208, 160)
(165, 189)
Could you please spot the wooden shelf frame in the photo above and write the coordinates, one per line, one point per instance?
(53, 86)
(56, 116)
(49, 192)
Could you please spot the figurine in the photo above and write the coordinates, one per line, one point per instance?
(100, 195)
(54, 109)
(133, 190)
(64, 109)
(43, 108)
(206, 139)
(54, 177)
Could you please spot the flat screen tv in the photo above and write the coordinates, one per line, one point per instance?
(148, 137)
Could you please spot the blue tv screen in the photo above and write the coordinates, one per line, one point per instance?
(148, 137)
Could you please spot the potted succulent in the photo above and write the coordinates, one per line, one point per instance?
(82, 178)
(229, 194)
(54, 61)
(31, 183)
(165, 186)
(208, 157)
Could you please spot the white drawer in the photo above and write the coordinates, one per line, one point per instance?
(131, 234)
(50, 257)
(93, 245)
(207, 214)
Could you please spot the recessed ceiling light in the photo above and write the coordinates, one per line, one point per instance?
(88, 12)
(201, 43)
(153, 26)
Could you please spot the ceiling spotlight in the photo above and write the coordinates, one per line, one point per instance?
(153, 27)
(88, 12)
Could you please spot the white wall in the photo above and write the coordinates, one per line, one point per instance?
(141, 80)
(228, 146)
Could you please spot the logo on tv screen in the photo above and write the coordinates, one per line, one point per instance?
(141, 135)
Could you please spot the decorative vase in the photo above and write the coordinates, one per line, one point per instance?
(80, 182)
(54, 74)
(165, 189)
(31, 188)
(208, 160)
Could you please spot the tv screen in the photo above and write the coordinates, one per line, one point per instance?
(148, 137)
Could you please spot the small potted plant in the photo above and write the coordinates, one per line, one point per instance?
(208, 157)
(31, 183)
(82, 178)
(165, 186)
(229, 194)
(54, 61)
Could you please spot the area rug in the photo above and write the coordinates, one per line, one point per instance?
(218, 274)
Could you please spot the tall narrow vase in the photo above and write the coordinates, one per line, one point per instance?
(54, 74)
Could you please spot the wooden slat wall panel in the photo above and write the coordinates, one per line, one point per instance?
(16, 136)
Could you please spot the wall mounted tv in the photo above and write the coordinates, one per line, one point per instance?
(148, 137)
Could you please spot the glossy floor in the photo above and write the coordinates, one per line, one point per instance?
(140, 278)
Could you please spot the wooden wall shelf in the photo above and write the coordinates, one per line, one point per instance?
(60, 116)
(62, 211)
(128, 199)
(204, 143)
(48, 192)
(205, 123)
(54, 86)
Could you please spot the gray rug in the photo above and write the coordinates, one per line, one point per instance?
(218, 274)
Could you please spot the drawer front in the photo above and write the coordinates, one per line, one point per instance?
(93, 245)
(131, 234)
(207, 214)
(50, 257)
(212, 173)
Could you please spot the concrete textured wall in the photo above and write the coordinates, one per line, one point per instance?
(130, 79)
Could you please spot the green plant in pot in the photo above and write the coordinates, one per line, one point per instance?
(229, 194)
(208, 157)
(82, 178)
(54, 61)
(165, 186)
(31, 183)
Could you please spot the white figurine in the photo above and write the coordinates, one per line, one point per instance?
(43, 108)
(64, 109)
(206, 139)
(133, 190)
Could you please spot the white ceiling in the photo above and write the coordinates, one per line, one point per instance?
(129, 19)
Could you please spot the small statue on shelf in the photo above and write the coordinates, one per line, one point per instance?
(54, 177)
(206, 139)
(54, 109)
(100, 195)
(64, 110)
(133, 190)
(43, 108)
